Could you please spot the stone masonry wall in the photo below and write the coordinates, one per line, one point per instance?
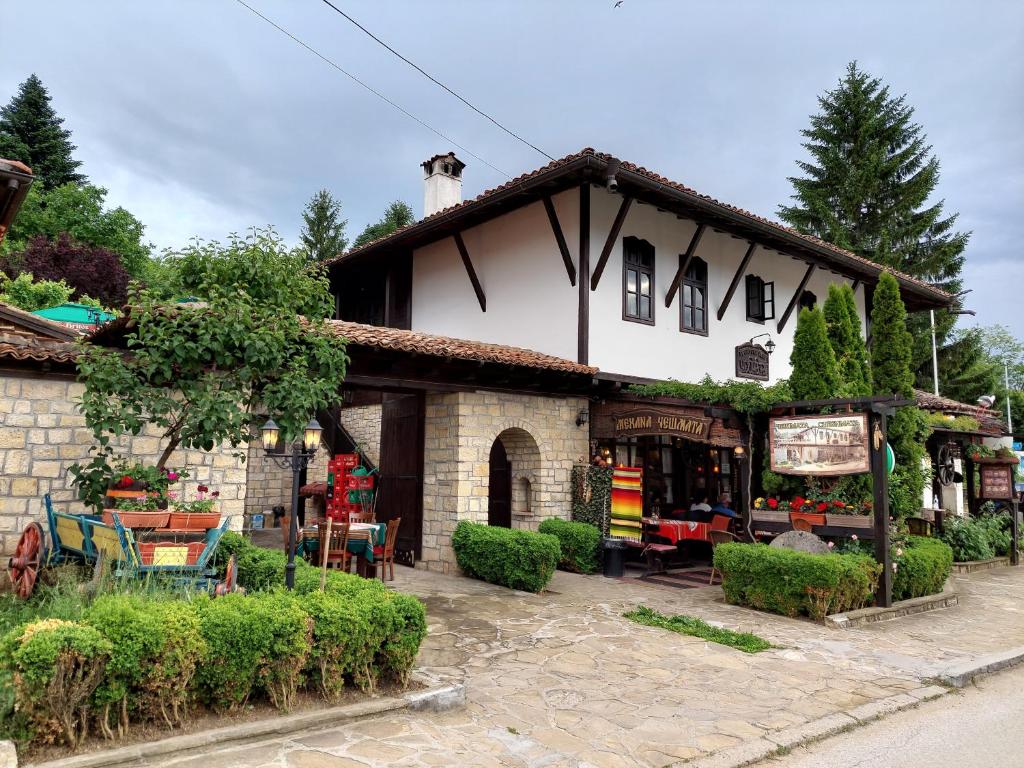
(542, 442)
(42, 433)
(363, 423)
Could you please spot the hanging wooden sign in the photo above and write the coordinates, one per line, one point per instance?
(752, 362)
(661, 421)
(996, 480)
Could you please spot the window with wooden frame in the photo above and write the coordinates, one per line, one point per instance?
(694, 304)
(760, 299)
(637, 280)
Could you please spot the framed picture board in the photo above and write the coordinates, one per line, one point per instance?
(824, 446)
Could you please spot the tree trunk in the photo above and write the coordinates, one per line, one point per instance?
(172, 444)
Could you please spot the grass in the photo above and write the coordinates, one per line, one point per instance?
(688, 625)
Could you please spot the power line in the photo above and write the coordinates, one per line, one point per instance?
(437, 82)
(371, 89)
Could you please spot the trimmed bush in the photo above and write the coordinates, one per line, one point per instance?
(227, 676)
(922, 569)
(578, 542)
(398, 654)
(795, 583)
(968, 539)
(512, 558)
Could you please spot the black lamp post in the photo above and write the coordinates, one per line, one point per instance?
(297, 461)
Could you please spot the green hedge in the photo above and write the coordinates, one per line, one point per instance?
(922, 567)
(795, 583)
(516, 559)
(977, 538)
(134, 658)
(579, 543)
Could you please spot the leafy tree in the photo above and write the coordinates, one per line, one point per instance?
(323, 234)
(396, 216)
(88, 270)
(31, 131)
(256, 341)
(815, 374)
(867, 189)
(891, 375)
(79, 212)
(840, 311)
(29, 294)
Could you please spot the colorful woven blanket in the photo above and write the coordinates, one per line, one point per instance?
(627, 503)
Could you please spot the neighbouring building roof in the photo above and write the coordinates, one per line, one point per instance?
(79, 316)
(26, 337)
(15, 179)
(394, 339)
(589, 164)
(989, 422)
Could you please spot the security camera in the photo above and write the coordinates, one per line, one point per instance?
(987, 401)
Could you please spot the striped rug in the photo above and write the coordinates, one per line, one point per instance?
(627, 503)
(688, 579)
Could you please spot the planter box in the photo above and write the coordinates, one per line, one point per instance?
(194, 521)
(849, 521)
(814, 518)
(768, 516)
(136, 519)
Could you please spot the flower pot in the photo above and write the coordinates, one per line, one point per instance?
(814, 518)
(194, 521)
(136, 519)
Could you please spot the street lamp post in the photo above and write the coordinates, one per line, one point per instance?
(296, 461)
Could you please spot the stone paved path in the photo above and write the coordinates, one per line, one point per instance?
(561, 679)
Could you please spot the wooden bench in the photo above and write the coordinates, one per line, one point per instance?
(654, 553)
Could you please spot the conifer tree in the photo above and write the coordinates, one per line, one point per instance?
(31, 131)
(323, 234)
(396, 216)
(815, 375)
(847, 343)
(867, 189)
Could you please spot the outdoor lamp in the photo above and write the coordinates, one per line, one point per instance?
(311, 436)
(769, 346)
(739, 451)
(270, 432)
(582, 417)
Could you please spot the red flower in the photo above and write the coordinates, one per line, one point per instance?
(822, 506)
(202, 489)
(125, 481)
(773, 503)
(798, 502)
(215, 494)
(838, 504)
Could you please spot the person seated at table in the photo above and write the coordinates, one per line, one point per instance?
(723, 507)
(700, 510)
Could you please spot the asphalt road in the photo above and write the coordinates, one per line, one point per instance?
(979, 727)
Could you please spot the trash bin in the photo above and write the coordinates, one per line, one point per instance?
(614, 553)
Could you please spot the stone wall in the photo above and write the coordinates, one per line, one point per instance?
(362, 422)
(42, 433)
(268, 485)
(541, 439)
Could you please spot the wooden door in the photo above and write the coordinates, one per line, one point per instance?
(400, 491)
(499, 493)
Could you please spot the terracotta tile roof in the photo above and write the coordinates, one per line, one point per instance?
(989, 421)
(25, 336)
(563, 164)
(441, 346)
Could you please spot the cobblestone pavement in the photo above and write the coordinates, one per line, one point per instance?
(561, 679)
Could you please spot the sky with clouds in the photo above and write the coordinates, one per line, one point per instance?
(202, 119)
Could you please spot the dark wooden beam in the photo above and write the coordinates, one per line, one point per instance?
(613, 235)
(583, 318)
(563, 249)
(684, 263)
(470, 271)
(855, 286)
(736, 280)
(796, 297)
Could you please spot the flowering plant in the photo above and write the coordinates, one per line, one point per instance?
(775, 505)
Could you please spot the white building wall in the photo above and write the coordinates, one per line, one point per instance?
(530, 302)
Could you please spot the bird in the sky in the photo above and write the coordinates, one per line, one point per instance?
(617, 3)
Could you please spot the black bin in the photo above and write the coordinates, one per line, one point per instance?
(614, 555)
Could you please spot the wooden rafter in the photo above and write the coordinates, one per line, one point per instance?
(556, 228)
(470, 271)
(613, 235)
(736, 279)
(684, 263)
(796, 297)
(856, 285)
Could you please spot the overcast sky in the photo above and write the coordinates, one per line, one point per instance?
(202, 119)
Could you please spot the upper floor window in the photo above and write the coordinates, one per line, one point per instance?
(637, 280)
(808, 300)
(760, 299)
(694, 305)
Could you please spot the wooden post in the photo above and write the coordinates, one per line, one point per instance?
(877, 435)
(323, 557)
(968, 463)
(1014, 534)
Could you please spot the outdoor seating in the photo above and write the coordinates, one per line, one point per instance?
(718, 537)
(334, 551)
(720, 523)
(360, 517)
(386, 553)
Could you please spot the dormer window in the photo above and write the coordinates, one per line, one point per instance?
(760, 299)
(694, 306)
(637, 280)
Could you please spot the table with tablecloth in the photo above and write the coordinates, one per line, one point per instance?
(675, 531)
(362, 548)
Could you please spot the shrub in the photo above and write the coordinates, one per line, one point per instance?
(398, 654)
(340, 641)
(285, 637)
(922, 569)
(227, 675)
(515, 559)
(997, 531)
(168, 684)
(794, 583)
(968, 539)
(579, 544)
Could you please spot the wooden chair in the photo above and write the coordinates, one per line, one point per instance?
(286, 522)
(360, 536)
(360, 517)
(385, 554)
(719, 537)
(337, 547)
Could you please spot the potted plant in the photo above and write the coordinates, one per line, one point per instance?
(196, 515)
(809, 510)
(140, 512)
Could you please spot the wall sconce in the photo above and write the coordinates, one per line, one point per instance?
(769, 346)
(582, 418)
(739, 452)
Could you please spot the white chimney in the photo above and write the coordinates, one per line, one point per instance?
(442, 183)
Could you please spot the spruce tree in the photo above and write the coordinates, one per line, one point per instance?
(31, 131)
(867, 189)
(396, 216)
(323, 234)
(815, 375)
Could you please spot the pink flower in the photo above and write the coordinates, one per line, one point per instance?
(895, 567)
(172, 476)
(854, 537)
(831, 544)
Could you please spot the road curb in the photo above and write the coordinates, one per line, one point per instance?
(961, 675)
(815, 730)
(442, 695)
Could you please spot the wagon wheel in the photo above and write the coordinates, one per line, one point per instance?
(946, 464)
(23, 567)
(230, 582)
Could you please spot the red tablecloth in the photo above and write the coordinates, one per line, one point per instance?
(678, 530)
